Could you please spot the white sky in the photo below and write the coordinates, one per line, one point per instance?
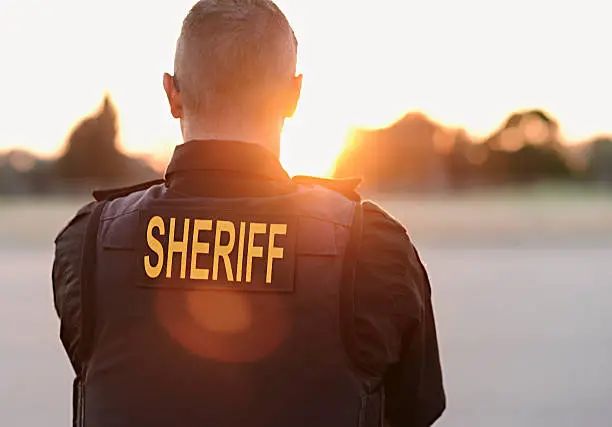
(465, 63)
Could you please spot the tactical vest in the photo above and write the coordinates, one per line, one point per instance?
(222, 312)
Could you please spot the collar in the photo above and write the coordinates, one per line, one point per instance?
(226, 156)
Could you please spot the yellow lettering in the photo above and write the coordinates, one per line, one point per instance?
(175, 246)
(155, 245)
(274, 252)
(240, 252)
(198, 247)
(252, 250)
(224, 251)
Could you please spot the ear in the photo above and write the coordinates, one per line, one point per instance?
(174, 96)
(293, 95)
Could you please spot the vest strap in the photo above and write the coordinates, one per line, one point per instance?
(88, 270)
(347, 288)
(373, 405)
(87, 279)
(115, 193)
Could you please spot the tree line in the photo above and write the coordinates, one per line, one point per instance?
(419, 154)
(413, 154)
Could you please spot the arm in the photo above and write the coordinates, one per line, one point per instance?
(414, 386)
(394, 322)
(66, 282)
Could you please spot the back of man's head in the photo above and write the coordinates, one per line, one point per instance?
(233, 55)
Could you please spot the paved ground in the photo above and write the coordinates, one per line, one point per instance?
(522, 292)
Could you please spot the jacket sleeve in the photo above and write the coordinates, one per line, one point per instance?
(66, 282)
(402, 322)
(414, 386)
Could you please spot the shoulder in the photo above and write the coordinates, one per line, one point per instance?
(380, 219)
(388, 248)
(384, 234)
(77, 224)
(346, 187)
(115, 193)
(76, 227)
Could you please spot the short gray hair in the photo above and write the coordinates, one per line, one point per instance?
(233, 52)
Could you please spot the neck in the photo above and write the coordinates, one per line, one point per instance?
(233, 130)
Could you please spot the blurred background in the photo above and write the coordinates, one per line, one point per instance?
(485, 127)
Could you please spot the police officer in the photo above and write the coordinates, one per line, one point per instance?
(228, 294)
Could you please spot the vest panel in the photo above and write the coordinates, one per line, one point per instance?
(223, 312)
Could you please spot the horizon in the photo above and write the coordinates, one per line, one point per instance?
(465, 67)
(147, 155)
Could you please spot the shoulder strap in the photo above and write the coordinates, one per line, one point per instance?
(87, 277)
(115, 193)
(375, 404)
(88, 266)
(347, 288)
(88, 270)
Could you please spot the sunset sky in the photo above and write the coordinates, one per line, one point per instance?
(465, 63)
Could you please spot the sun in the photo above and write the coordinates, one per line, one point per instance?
(315, 137)
(310, 151)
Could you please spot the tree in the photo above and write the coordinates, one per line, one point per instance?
(92, 157)
(599, 167)
(525, 149)
(400, 157)
(91, 153)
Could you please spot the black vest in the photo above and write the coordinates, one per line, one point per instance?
(223, 312)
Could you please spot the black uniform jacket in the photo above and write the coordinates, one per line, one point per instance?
(394, 321)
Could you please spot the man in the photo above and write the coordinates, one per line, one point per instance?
(228, 294)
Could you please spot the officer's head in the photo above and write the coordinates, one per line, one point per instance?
(235, 60)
